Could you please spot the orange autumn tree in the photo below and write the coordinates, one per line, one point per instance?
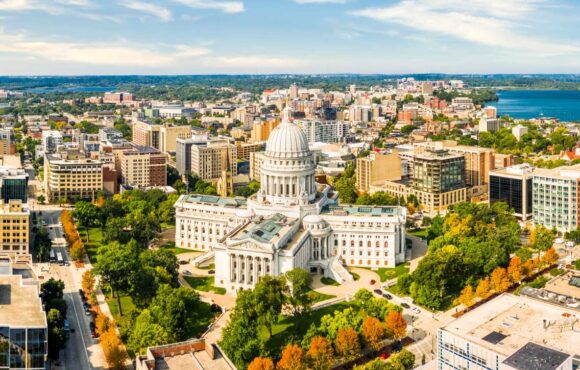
(396, 324)
(293, 358)
(514, 270)
(467, 297)
(499, 281)
(261, 363)
(483, 289)
(320, 354)
(88, 282)
(550, 257)
(347, 344)
(528, 268)
(102, 324)
(373, 333)
(78, 251)
(115, 355)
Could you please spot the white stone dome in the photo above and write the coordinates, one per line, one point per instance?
(287, 140)
(312, 219)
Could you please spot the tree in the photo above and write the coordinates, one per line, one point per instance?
(403, 360)
(347, 344)
(483, 289)
(261, 363)
(147, 333)
(373, 333)
(514, 270)
(541, 238)
(115, 264)
(87, 214)
(396, 325)
(466, 297)
(376, 364)
(114, 353)
(88, 282)
(269, 297)
(102, 324)
(550, 257)
(56, 334)
(40, 199)
(176, 310)
(78, 251)
(51, 293)
(293, 358)
(320, 354)
(499, 280)
(298, 282)
(42, 245)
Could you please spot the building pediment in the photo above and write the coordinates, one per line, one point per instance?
(248, 245)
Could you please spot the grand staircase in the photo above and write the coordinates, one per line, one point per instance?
(338, 272)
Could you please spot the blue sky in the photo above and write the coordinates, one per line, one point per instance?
(288, 36)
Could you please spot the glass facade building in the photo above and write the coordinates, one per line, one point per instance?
(23, 348)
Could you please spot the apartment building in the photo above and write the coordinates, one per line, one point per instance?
(208, 160)
(23, 325)
(15, 226)
(51, 140)
(513, 185)
(261, 130)
(256, 159)
(556, 201)
(162, 137)
(109, 133)
(376, 168)
(117, 97)
(143, 167)
(324, 131)
(489, 124)
(72, 177)
(511, 333)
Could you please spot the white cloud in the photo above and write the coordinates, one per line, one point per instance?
(490, 23)
(224, 6)
(84, 3)
(158, 11)
(27, 5)
(321, 1)
(120, 53)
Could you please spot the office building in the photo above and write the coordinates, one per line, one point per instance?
(207, 160)
(244, 149)
(438, 172)
(511, 333)
(513, 185)
(7, 141)
(556, 197)
(13, 183)
(324, 131)
(261, 130)
(143, 166)
(117, 97)
(183, 152)
(162, 137)
(376, 168)
(23, 325)
(72, 177)
(256, 159)
(109, 134)
(15, 227)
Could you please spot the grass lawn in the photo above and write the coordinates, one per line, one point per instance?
(204, 283)
(391, 273)
(95, 241)
(355, 276)
(171, 247)
(126, 303)
(208, 267)
(283, 331)
(421, 233)
(166, 225)
(319, 297)
(329, 281)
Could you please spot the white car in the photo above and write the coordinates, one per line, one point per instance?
(559, 241)
(416, 310)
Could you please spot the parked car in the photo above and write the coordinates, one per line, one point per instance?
(404, 305)
(416, 310)
(186, 272)
(211, 272)
(378, 291)
(215, 308)
(92, 325)
(373, 282)
(387, 296)
(384, 355)
(183, 262)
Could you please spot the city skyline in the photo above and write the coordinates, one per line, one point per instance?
(71, 37)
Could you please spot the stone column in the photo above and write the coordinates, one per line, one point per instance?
(232, 269)
(240, 260)
(255, 263)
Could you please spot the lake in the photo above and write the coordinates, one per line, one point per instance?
(561, 104)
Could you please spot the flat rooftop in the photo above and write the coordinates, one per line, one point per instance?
(213, 200)
(11, 161)
(533, 356)
(373, 211)
(266, 230)
(20, 305)
(508, 322)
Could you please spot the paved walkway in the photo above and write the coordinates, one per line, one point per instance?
(351, 287)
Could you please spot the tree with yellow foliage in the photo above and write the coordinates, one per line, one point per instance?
(499, 280)
(320, 354)
(347, 344)
(550, 257)
(467, 297)
(396, 324)
(483, 289)
(514, 270)
(373, 333)
(293, 358)
(115, 355)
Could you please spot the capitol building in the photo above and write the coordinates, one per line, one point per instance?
(290, 222)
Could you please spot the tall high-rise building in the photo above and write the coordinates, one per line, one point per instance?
(72, 177)
(7, 141)
(513, 185)
(143, 167)
(324, 131)
(293, 91)
(207, 160)
(162, 137)
(261, 130)
(183, 152)
(15, 227)
(376, 168)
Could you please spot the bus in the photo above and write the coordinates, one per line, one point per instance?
(59, 258)
(52, 256)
